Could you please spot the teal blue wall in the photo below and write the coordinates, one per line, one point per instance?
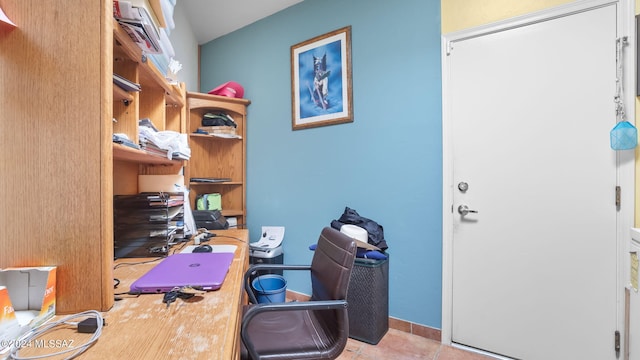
(387, 164)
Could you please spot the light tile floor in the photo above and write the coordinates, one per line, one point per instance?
(400, 345)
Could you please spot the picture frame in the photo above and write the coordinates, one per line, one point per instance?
(321, 83)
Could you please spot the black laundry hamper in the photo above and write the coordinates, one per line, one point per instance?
(368, 299)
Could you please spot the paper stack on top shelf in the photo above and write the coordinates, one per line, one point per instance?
(146, 24)
(138, 22)
(154, 8)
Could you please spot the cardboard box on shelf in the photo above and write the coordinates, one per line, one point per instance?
(164, 183)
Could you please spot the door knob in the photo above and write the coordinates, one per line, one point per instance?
(464, 210)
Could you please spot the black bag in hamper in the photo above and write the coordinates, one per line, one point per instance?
(375, 230)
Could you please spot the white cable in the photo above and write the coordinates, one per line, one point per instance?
(620, 42)
(28, 338)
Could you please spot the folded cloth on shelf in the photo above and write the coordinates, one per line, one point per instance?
(171, 141)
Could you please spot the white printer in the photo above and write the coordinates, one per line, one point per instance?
(268, 249)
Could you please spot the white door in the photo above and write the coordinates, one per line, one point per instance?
(534, 271)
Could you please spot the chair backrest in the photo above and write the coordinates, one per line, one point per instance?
(331, 265)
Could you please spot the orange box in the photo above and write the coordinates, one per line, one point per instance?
(9, 325)
(27, 300)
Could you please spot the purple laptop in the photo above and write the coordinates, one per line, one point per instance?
(204, 270)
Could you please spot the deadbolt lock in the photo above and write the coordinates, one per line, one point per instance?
(463, 186)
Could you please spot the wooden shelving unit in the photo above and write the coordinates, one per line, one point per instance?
(61, 168)
(161, 102)
(218, 157)
(125, 153)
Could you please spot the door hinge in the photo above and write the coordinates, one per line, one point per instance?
(618, 196)
(617, 342)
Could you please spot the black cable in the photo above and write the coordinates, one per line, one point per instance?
(138, 263)
(184, 243)
(231, 237)
(119, 296)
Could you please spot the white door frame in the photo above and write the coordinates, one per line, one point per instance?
(625, 159)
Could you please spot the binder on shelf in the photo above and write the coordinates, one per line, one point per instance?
(125, 84)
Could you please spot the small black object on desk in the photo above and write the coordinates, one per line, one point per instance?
(203, 249)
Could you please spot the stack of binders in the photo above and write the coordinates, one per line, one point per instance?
(147, 224)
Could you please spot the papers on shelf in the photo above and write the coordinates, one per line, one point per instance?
(217, 130)
(202, 131)
(125, 84)
(227, 136)
(5, 19)
(124, 10)
(147, 24)
(165, 200)
(148, 123)
(209, 180)
(153, 7)
(170, 144)
(124, 140)
(138, 24)
(140, 34)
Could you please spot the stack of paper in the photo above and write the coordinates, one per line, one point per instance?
(5, 19)
(137, 22)
(169, 144)
(124, 140)
(125, 84)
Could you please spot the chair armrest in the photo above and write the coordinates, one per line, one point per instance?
(289, 306)
(253, 268)
(256, 267)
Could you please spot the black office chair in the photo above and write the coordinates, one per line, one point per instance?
(314, 329)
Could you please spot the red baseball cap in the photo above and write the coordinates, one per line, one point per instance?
(230, 89)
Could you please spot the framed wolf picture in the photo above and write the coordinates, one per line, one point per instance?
(321, 80)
